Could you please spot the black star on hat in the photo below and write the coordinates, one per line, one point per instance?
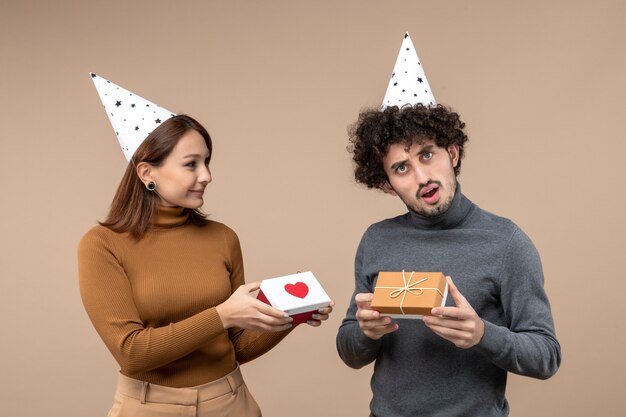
(157, 121)
(136, 127)
(420, 79)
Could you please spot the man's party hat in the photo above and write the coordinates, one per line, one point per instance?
(408, 83)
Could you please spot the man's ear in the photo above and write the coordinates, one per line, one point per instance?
(453, 151)
(387, 188)
(144, 172)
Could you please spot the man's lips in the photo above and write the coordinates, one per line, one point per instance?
(428, 190)
(429, 193)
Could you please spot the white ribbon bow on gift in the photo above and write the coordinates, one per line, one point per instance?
(409, 288)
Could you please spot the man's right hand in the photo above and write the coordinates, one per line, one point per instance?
(371, 323)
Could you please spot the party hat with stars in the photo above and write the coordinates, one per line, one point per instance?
(408, 83)
(132, 117)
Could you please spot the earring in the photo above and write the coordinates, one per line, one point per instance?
(151, 186)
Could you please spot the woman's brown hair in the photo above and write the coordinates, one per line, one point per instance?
(134, 207)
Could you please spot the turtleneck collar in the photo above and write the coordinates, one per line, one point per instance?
(171, 217)
(459, 209)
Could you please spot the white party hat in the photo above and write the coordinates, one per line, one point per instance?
(132, 117)
(408, 83)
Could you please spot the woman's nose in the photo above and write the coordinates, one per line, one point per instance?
(205, 176)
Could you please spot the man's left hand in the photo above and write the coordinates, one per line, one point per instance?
(460, 325)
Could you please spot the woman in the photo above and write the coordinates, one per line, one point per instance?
(164, 286)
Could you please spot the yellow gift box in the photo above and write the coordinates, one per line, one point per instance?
(409, 295)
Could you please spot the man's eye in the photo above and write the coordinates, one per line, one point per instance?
(427, 156)
(401, 169)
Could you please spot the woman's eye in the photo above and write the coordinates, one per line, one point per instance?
(401, 169)
(191, 164)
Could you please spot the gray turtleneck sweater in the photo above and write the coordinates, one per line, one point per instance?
(497, 268)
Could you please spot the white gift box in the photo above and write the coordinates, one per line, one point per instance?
(299, 295)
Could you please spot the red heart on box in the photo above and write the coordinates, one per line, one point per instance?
(299, 289)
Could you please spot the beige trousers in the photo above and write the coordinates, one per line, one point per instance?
(225, 397)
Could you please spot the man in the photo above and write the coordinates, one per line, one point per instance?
(497, 318)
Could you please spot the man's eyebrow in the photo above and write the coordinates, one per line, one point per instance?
(397, 164)
(427, 148)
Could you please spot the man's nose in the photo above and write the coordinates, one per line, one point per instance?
(422, 175)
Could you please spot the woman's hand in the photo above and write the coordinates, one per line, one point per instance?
(246, 312)
(321, 315)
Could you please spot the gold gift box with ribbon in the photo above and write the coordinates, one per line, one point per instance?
(409, 294)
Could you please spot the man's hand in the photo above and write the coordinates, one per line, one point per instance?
(371, 323)
(460, 325)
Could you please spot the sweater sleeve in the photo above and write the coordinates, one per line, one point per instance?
(108, 300)
(248, 344)
(527, 345)
(353, 346)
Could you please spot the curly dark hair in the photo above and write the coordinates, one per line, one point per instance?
(376, 130)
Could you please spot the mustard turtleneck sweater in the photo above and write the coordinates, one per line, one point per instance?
(152, 301)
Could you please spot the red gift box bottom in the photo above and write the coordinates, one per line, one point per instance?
(297, 318)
